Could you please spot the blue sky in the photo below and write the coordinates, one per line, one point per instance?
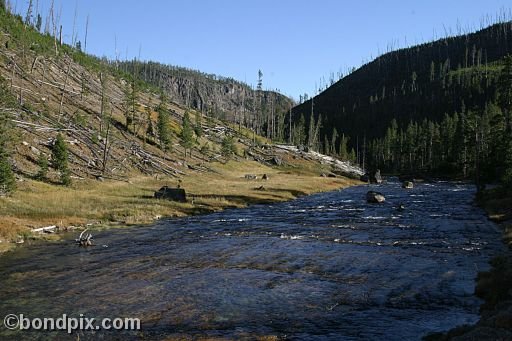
(294, 43)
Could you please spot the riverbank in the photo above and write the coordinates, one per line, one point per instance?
(115, 203)
(493, 286)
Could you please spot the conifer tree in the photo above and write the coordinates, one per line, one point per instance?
(42, 162)
(352, 155)
(311, 131)
(505, 101)
(505, 91)
(60, 159)
(334, 138)
(164, 134)
(198, 128)
(7, 180)
(187, 133)
(343, 148)
(299, 131)
(507, 174)
(228, 147)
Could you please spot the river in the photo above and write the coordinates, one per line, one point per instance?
(328, 266)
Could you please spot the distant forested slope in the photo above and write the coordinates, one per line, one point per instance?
(436, 106)
(424, 81)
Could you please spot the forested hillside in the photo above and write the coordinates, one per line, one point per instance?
(219, 97)
(422, 108)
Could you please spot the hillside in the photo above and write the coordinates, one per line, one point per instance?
(425, 81)
(112, 126)
(220, 97)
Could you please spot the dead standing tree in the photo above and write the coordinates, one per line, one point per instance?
(84, 239)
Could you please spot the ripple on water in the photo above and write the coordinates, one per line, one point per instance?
(327, 266)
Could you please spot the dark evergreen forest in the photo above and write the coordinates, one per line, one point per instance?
(440, 108)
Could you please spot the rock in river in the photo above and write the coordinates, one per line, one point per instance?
(375, 197)
(408, 184)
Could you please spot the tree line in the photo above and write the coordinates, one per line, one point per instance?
(472, 143)
(410, 84)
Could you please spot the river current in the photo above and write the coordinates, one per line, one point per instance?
(328, 266)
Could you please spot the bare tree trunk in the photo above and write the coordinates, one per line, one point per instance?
(64, 90)
(290, 131)
(73, 35)
(106, 147)
(86, 31)
(13, 73)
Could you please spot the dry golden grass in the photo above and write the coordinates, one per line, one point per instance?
(37, 204)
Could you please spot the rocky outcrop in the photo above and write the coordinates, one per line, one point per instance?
(222, 97)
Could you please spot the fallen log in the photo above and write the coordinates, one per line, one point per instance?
(46, 229)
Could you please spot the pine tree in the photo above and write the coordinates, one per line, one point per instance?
(343, 148)
(228, 147)
(334, 138)
(127, 107)
(311, 131)
(28, 16)
(460, 144)
(42, 162)
(164, 134)
(60, 159)
(352, 156)
(505, 91)
(187, 133)
(198, 128)
(39, 22)
(507, 174)
(299, 131)
(505, 101)
(7, 179)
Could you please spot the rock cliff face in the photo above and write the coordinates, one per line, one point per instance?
(225, 98)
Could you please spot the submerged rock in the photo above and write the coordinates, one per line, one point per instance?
(408, 184)
(375, 197)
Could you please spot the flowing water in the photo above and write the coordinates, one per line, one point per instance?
(326, 266)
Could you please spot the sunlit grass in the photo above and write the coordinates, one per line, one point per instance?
(37, 204)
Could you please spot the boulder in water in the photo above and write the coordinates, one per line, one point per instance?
(408, 184)
(376, 177)
(372, 177)
(375, 197)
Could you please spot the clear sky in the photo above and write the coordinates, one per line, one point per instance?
(294, 42)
